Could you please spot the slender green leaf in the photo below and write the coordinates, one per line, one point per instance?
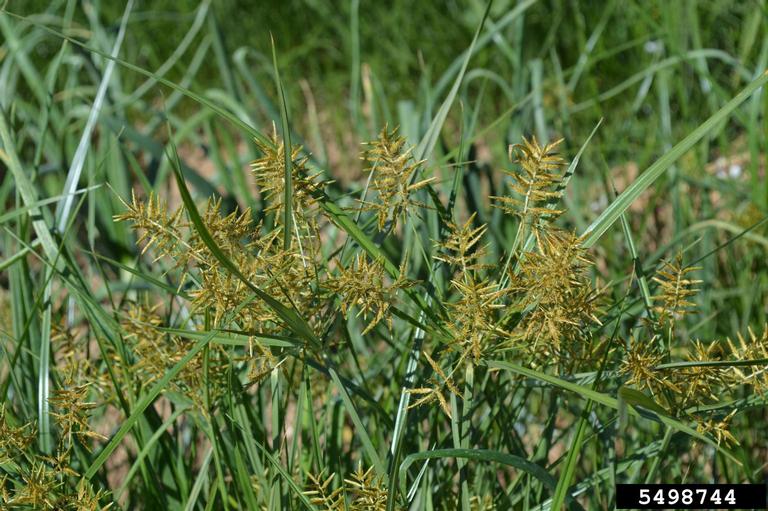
(608, 401)
(601, 224)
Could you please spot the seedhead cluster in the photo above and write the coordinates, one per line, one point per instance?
(362, 491)
(38, 475)
(253, 309)
(269, 173)
(557, 297)
(709, 372)
(365, 286)
(675, 290)
(536, 183)
(393, 170)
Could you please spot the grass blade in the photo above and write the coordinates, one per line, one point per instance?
(73, 176)
(610, 402)
(381, 468)
(288, 174)
(485, 455)
(646, 179)
(427, 144)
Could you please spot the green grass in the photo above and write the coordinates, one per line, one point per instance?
(663, 114)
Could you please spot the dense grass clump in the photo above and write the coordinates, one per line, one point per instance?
(217, 292)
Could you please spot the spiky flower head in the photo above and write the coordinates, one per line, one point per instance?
(365, 285)
(87, 499)
(676, 287)
(700, 383)
(750, 347)
(234, 233)
(269, 171)
(71, 408)
(473, 317)
(535, 183)
(639, 365)
(436, 385)
(72, 361)
(321, 493)
(366, 490)
(392, 167)
(557, 297)
(40, 489)
(462, 248)
(720, 428)
(156, 352)
(14, 440)
(159, 228)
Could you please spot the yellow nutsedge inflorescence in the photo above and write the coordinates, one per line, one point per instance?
(5, 495)
(40, 489)
(159, 228)
(536, 183)
(639, 365)
(219, 298)
(555, 292)
(550, 304)
(42, 479)
(677, 388)
(719, 428)
(690, 385)
(434, 390)
(484, 503)
(462, 248)
(284, 274)
(365, 285)
(675, 290)
(322, 494)
(362, 491)
(269, 171)
(392, 169)
(704, 384)
(545, 310)
(14, 440)
(72, 361)
(233, 233)
(366, 490)
(753, 347)
(475, 331)
(473, 325)
(156, 352)
(71, 409)
(699, 383)
(89, 500)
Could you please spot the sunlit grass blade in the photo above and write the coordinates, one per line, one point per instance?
(646, 179)
(288, 175)
(482, 455)
(78, 161)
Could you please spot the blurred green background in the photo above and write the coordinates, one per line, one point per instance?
(403, 48)
(651, 71)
